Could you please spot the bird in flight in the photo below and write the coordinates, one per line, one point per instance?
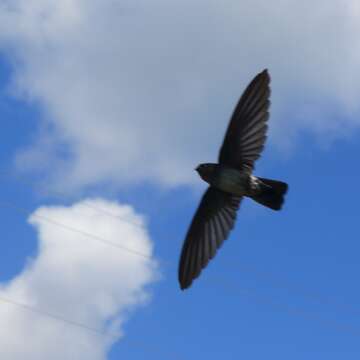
(230, 180)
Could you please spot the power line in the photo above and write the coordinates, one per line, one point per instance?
(133, 252)
(54, 317)
(108, 213)
(69, 228)
(286, 286)
(136, 253)
(81, 232)
(220, 281)
(72, 323)
(84, 203)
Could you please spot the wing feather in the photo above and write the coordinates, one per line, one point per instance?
(248, 125)
(211, 225)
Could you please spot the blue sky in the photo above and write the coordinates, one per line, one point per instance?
(283, 286)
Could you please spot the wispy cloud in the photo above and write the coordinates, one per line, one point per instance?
(79, 279)
(142, 91)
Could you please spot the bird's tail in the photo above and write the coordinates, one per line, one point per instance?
(271, 193)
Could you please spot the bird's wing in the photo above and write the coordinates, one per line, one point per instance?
(246, 133)
(211, 225)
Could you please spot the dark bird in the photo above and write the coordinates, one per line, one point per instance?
(230, 180)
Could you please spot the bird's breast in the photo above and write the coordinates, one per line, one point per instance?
(231, 180)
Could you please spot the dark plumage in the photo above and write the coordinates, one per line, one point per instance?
(230, 180)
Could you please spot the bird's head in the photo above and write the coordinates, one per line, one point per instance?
(206, 171)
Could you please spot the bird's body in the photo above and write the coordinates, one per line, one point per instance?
(227, 179)
(242, 183)
(230, 180)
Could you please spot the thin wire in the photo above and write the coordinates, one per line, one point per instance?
(107, 242)
(84, 203)
(84, 233)
(82, 326)
(220, 281)
(285, 285)
(133, 252)
(108, 213)
(55, 317)
(81, 232)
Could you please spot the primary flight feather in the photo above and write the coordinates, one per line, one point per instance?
(230, 180)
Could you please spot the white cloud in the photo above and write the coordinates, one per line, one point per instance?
(143, 90)
(79, 279)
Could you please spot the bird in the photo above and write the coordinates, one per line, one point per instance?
(230, 180)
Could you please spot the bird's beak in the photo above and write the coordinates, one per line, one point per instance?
(197, 169)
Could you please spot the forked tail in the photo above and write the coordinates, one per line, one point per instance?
(271, 193)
